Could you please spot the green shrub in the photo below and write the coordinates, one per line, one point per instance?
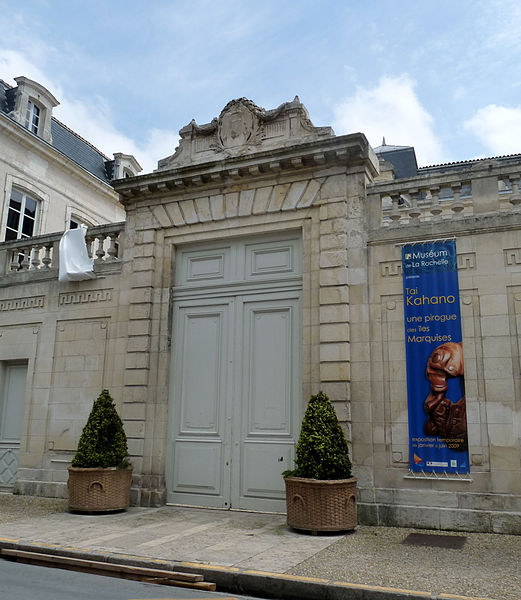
(322, 451)
(103, 442)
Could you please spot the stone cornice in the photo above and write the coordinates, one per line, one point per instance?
(471, 225)
(347, 151)
(473, 171)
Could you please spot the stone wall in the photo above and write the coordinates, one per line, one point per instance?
(62, 188)
(72, 337)
(116, 331)
(321, 198)
(486, 229)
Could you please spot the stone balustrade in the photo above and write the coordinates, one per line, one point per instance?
(40, 254)
(484, 187)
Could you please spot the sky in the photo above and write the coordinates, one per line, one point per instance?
(442, 76)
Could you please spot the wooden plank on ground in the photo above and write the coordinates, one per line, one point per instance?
(197, 585)
(101, 566)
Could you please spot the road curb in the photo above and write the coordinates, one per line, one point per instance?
(245, 581)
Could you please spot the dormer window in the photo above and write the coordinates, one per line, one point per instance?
(32, 117)
(33, 107)
(125, 165)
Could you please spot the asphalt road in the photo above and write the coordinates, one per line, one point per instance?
(30, 582)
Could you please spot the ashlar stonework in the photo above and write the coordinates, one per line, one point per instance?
(257, 265)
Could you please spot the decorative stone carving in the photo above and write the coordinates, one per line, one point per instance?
(467, 260)
(22, 303)
(262, 200)
(243, 128)
(512, 256)
(84, 297)
(390, 268)
(238, 124)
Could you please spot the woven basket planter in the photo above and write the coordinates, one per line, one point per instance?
(321, 505)
(99, 490)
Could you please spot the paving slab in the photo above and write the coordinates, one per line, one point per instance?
(178, 534)
(259, 547)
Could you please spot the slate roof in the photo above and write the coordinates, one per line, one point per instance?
(3, 97)
(504, 158)
(403, 159)
(389, 148)
(66, 141)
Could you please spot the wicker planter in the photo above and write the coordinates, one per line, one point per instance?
(99, 490)
(321, 505)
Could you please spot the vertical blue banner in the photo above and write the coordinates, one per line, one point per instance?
(438, 440)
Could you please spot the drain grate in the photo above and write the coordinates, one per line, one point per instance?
(434, 540)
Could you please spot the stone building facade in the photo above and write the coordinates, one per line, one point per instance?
(257, 265)
(50, 177)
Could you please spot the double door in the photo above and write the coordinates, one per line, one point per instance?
(235, 396)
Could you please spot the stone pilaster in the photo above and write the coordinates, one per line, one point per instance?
(334, 355)
(148, 489)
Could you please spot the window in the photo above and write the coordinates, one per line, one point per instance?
(21, 217)
(32, 117)
(75, 222)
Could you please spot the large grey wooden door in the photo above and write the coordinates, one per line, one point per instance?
(11, 412)
(267, 398)
(235, 376)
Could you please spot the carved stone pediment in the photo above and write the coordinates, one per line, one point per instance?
(238, 125)
(244, 128)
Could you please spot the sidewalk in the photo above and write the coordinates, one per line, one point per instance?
(238, 543)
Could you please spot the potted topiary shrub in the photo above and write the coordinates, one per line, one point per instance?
(100, 474)
(320, 491)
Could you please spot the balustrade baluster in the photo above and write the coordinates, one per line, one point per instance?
(436, 208)
(100, 251)
(395, 213)
(515, 198)
(46, 260)
(112, 250)
(15, 264)
(35, 258)
(414, 211)
(26, 262)
(457, 205)
(89, 242)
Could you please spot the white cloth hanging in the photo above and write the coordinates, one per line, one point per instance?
(75, 263)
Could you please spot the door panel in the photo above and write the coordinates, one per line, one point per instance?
(198, 466)
(268, 259)
(265, 426)
(13, 404)
(267, 368)
(11, 414)
(261, 485)
(201, 371)
(200, 394)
